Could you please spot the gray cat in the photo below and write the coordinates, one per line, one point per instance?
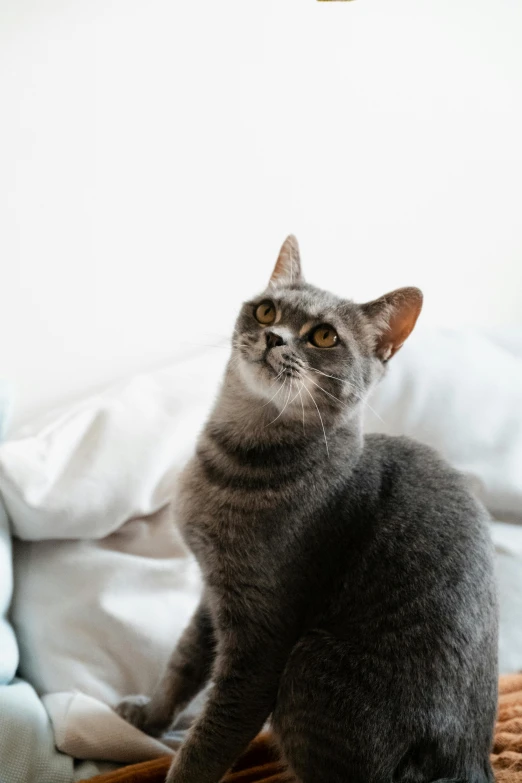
(349, 592)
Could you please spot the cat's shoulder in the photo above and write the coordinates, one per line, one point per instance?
(406, 457)
(401, 447)
(410, 482)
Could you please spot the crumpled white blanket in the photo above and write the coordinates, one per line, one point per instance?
(103, 584)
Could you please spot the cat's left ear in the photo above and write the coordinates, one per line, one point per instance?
(287, 270)
(393, 317)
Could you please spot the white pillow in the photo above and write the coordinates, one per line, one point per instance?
(461, 392)
(104, 586)
(8, 648)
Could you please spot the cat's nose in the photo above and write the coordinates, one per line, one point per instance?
(273, 340)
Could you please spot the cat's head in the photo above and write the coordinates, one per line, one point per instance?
(305, 351)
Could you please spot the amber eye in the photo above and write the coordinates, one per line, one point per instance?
(265, 313)
(324, 336)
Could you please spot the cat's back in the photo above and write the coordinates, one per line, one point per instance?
(421, 544)
(409, 481)
(404, 634)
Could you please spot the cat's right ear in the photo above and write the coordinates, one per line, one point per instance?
(392, 318)
(287, 270)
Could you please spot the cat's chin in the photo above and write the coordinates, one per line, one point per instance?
(258, 378)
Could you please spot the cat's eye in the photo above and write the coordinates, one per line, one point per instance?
(265, 312)
(324, 336)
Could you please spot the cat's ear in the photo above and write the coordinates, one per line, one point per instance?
(287, 270)
(393, 317)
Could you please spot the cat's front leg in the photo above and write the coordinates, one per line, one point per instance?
(186, 674)
(243, 696)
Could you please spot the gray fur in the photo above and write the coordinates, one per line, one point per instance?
(349, 591)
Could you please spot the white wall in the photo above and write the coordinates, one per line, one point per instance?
(153, 155)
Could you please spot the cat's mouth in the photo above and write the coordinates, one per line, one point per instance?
(282, 367)
(277, 366)
(267, 371)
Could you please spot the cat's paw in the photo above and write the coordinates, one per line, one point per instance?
(135, 710)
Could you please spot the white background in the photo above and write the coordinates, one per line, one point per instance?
(154, 154)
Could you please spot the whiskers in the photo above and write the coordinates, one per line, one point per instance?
(292, 376)
(280, 388)
(352, 391)
(320, 418)
(302, 406)
(296, 379)
(286, 401)
(241, 346)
